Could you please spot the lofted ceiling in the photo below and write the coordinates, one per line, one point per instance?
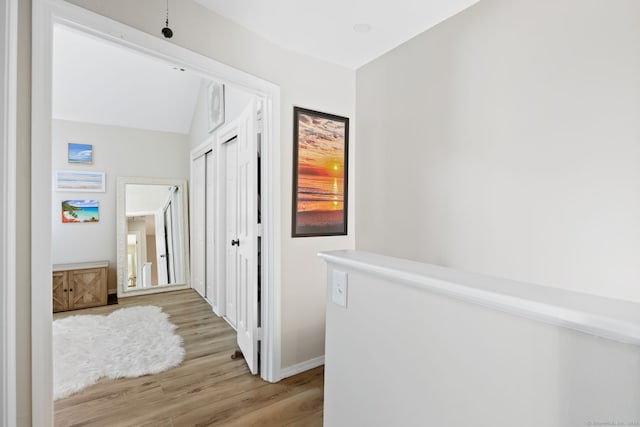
(95, 81)
(346, 32)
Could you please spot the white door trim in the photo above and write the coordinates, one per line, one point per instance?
(45, 14)
(8, 117)
(203, 148)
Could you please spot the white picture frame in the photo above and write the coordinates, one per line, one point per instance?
(79, 181)
(215, 105)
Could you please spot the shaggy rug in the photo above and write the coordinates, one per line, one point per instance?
(129, 342)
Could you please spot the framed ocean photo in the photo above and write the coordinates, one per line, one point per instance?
(80, 153)
(74, 211)
(80, 181)
(320, 171)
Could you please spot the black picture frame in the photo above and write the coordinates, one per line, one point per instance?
(320, 174)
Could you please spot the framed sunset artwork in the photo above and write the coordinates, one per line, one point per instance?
(320, 171)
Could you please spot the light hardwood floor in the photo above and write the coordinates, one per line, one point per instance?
(208, 388)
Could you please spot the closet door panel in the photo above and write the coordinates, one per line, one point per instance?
(198, 230)
(210, 285)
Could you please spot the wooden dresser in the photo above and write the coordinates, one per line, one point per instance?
(80, 285)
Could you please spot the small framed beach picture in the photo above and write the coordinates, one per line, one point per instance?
(320, 172)
(80, 153)
(215, 111)
(80, 211)
(80, 181)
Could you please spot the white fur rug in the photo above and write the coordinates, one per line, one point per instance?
(129, 342)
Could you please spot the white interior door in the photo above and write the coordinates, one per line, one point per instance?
(247, 249)
(209, 213)
(231, 148)
(198, 265)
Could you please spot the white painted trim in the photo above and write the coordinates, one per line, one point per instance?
(215, 310)
(41, 258)
(203, 148)
(301, 367)
(45, 13)
(8, 123)
(604, 317)
(272, 235)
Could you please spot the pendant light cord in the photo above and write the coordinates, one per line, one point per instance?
(166, 31)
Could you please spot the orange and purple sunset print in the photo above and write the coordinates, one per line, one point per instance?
(320, 187)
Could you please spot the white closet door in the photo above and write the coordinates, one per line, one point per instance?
(231, 148)
(247, 298)
(198, 231)
(211, 293)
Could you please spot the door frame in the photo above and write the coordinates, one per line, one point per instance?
(46, 14)
(8, 123)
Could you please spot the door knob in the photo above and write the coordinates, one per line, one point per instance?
(235, 242)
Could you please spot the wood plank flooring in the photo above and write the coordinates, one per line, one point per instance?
(207, 389)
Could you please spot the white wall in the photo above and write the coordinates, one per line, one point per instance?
(235, 101)
(402, 356)
(23, 217)
(305, 82)
(504, 141)
(118, 152)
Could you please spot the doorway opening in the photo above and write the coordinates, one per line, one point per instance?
(226, 227)
(50, 14)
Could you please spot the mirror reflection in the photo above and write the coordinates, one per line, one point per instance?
(154, 236)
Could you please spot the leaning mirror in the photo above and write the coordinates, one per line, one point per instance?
(152, 224)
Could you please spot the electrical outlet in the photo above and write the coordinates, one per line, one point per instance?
(339, 288)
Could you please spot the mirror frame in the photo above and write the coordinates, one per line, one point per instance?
(121, 240)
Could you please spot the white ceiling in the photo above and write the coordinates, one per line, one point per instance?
(145, 198)
(99, 82)
(325, 29)
(95, 81)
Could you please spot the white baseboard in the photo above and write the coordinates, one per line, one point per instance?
(216, 311)
(301, 367)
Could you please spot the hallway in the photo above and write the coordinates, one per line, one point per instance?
(208, 388)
